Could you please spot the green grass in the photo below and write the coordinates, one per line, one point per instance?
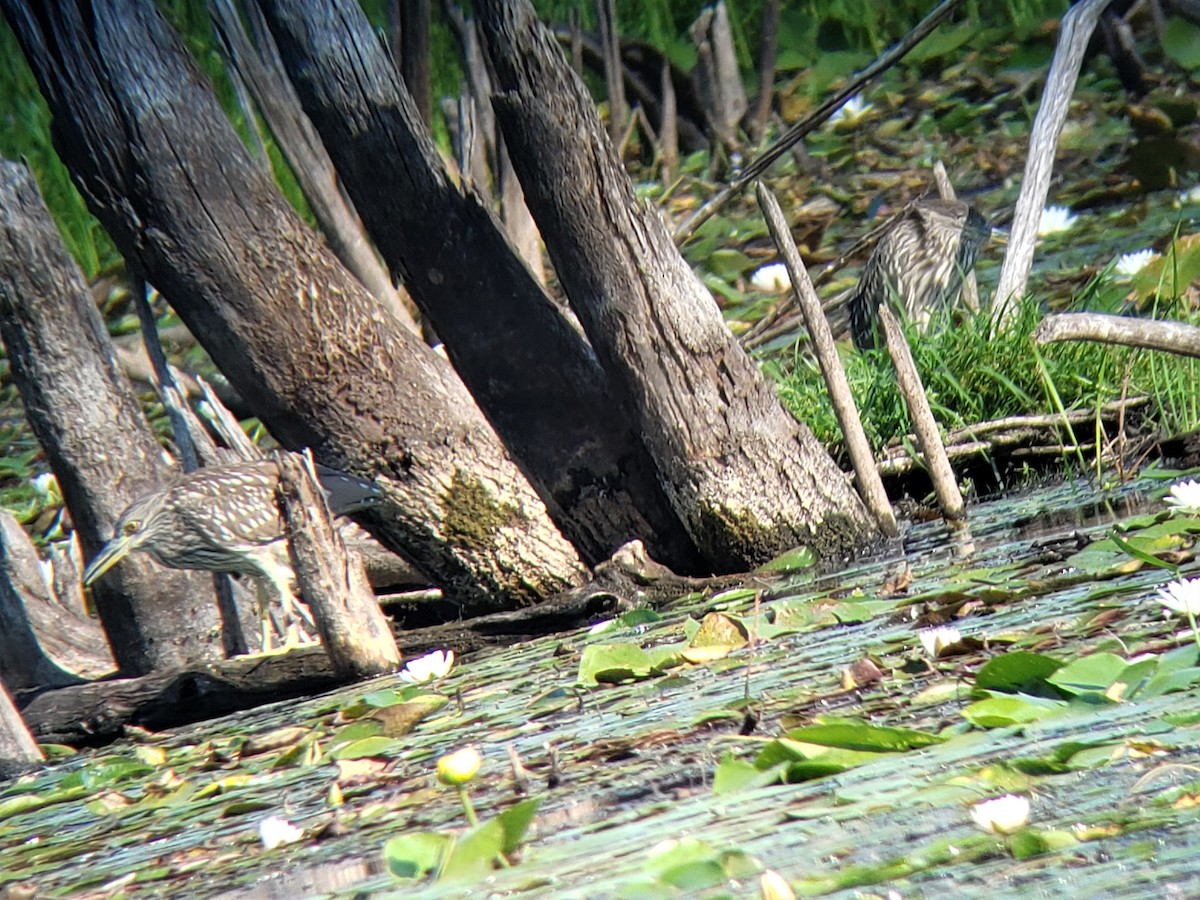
(978, 371)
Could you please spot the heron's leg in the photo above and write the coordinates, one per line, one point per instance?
(266, 622)
(295, 612)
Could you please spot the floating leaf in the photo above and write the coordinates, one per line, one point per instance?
(1030, 842)
(1135, 548)
(1181, 42)
(688, 864)
(367, 747)
(717, 637)
(515, 822)
(1003, 711)
(854, 734)
(1092, 674)
(794, 560)
(400, 719)
(729, 263)
(414, 855)
(1018, 672)
(614, 663)
(473, 854)
(733, 774)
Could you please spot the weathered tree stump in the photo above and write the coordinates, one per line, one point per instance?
(531, 372)
(746, 478)
(84, 414)
(353, 629)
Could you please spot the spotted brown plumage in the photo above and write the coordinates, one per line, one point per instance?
(223, 519)
(918, 264)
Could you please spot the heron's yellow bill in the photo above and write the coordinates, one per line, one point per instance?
(110, 554)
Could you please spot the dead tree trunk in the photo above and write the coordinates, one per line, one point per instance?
(84, 414)
(299, 338)
(532, 373)
(746, 478)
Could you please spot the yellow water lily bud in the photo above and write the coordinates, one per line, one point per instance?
(459, 767)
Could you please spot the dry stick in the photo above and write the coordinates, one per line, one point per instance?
(614, 77)
(756, 167)
(353, 629)
(1174, 337)
(870, 485)
(970, 288)
(767, 53)
(226, 424)
(970, 440)
(944, 485)
(1077, 27)
(165, 384)
(668, 126)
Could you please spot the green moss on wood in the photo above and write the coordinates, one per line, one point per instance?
(736, 540)
(472, 514)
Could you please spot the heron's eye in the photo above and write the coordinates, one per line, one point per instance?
(132, 527)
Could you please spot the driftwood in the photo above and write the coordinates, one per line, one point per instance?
(610, 40)
(530, 371)
(17, 746)
(1150, 334)
(1074, 33)
(768, 47)
(718, 81)
(97, 713)
(299, 338)
(645, 70)
(353, 630)
(43, 642)
(1010, 436)
(748, 479)
(100, 448)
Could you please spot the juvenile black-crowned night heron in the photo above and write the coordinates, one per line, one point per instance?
(224, 519)
(919, 263)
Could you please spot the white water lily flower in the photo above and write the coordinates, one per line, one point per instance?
(1181, 596)
(47, 485)
(852, 110)
(1001, 815)
(1131, 263)
(1184, 497)
(276, 831)
(935, 640)
(1190, 196)
(429, 667)
(772, 279)
(1055, 219)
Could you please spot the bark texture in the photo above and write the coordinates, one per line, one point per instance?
(353, 629)
(531, 372)
(83, 412)
(43, 642)
(301, 340)
(747, 479)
